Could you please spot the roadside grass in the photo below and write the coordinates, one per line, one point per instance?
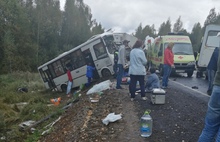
(17, 107)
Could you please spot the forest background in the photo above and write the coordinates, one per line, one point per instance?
(33, 32)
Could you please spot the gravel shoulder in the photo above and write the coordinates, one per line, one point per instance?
(180, 119)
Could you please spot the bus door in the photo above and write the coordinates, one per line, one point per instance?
(88, 57)
(102, 60)
(47, 78)
(78, 63)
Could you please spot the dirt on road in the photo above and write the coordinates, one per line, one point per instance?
(180, 119)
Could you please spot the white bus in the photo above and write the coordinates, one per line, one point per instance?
(98, 50)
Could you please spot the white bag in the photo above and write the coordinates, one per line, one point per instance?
(111, 118)
(100, 87)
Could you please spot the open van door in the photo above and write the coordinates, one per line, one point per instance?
(210, 41)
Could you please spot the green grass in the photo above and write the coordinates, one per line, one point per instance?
(17, 107)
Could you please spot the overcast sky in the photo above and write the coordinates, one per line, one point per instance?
(126, 15)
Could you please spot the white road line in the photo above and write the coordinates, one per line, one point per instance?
(189, 88)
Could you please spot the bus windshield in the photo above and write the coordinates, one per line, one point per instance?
(109, 41)
(181, 49)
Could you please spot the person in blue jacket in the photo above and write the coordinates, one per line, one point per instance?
(89, 73)
(212, 68)
(152, 80)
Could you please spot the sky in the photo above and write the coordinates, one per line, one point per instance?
(126, 15)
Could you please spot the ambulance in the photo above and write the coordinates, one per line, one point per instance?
(209, 42)
(184, 59)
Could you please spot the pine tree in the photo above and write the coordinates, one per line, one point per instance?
(177, 27)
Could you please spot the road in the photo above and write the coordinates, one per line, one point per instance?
(183, 80)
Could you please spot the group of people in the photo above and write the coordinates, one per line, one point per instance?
(137, 72)
(137, 69)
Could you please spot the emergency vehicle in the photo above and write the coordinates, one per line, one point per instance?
(184, 59)
(209, 42)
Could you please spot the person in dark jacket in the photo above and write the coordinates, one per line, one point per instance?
(212, 68)
(211, 130)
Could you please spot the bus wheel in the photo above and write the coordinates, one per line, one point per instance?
(63, 87)
(106, 73)
(189, 74)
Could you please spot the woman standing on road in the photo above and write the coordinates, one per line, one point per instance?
(137, 70)
(168, 64)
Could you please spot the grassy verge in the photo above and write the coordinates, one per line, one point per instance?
(17, 107)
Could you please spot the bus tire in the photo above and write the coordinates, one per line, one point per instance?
(63, 87)
(106, 73)
(190, 73)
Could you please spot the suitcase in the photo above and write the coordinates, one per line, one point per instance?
(158, 96)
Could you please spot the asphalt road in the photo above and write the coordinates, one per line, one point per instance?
(182, 78)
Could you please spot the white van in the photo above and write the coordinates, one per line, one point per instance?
(209, 42)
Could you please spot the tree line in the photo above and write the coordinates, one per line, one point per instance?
(166, 27)
(33, 32)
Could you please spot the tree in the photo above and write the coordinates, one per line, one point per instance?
(47, 29)
(76, 24)
(138, 32)
(97, 28)
(211, 18)
(16, 43)
(177, 27)
(196, 36)
(165, 28)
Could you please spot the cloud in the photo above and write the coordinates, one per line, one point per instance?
(126, 15)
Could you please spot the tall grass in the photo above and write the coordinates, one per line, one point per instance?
(12, 113)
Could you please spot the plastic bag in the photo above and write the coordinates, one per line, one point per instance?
(111, 118)
(100, 87)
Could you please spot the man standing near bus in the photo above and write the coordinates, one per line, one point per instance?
(70, 82)
(121, 63)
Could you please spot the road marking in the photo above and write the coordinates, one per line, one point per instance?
(190, 88)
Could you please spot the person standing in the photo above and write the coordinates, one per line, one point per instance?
(70, 82)
(121, 63)
(211, 130)
(115, 62)
(211, 69)
(89, 73)
(168, 64)
(137, 70)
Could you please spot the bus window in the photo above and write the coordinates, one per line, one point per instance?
(58, 69)
(100, 51)
(43, 75)
(109, 41)
(77, 59)
(52, 71)
(66, 61)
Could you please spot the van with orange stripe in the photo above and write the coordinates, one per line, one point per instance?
(184, 59)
